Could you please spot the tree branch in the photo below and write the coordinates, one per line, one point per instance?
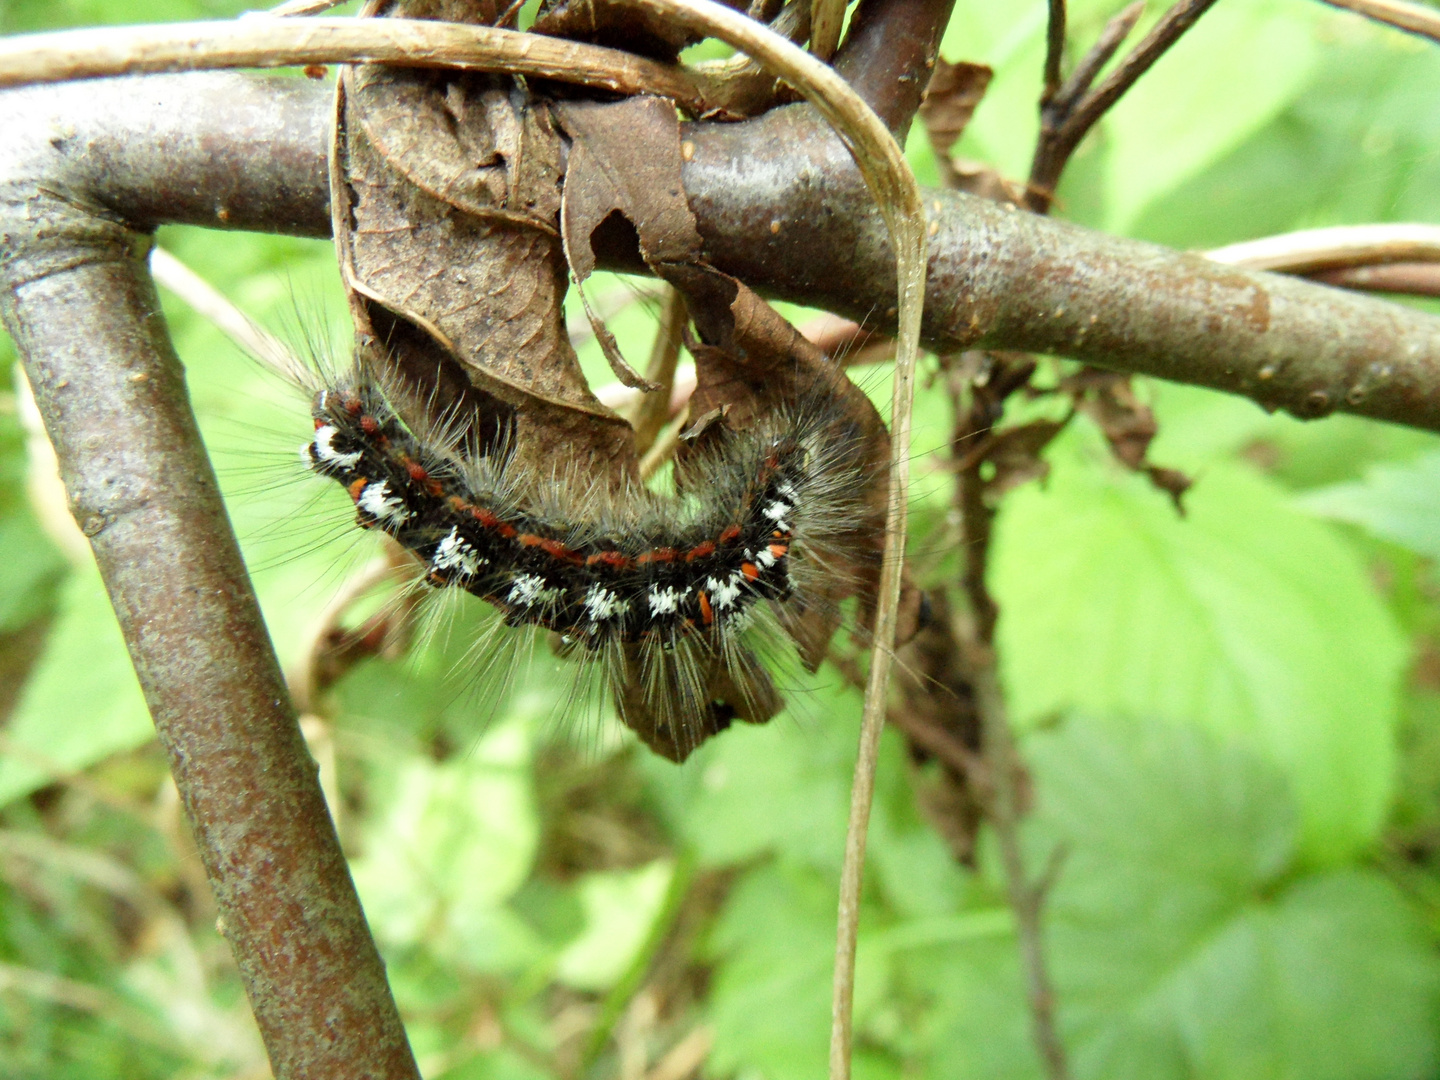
(249, 153)
(889, 54)
(80, 303)
(1003, 279)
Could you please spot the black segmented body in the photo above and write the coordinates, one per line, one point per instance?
(566, 576)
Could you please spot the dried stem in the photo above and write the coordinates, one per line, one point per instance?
(1411, 279)
(1067, 120)
(1334, 248)
(827, 17)
(1412, 18)
(897, 197)
(213, 306)
(275, 42)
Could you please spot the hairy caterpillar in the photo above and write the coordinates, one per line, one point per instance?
(678, 604)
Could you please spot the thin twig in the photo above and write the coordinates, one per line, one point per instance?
(1027, 899)
(685, 1057)
(1061, 134)
(270, 42)
(1412, 18)
(1112, 36)
(1054, 50)
(976, 636)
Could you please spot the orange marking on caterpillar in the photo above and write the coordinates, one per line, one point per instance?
(658, 555)
(706, 612)
(369, 425)
(700, 551)
(356, 486)
(731, 533)
(555, 549)
(490, 521)
(750, 570)
(779, 550)
(613, 559)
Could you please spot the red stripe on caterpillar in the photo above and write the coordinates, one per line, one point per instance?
(672, 600)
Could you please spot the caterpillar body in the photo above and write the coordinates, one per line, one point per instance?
(680, 604)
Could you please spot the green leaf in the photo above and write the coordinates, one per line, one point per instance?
(81, 703)
(1180, 943)
(1177, 951)
(620, 908)
(455, 842)
(1245, 618)
(1400, 503)
(1225, 79)
(770, 1003)
(782, 786)
(30, 571)
(1355, 145)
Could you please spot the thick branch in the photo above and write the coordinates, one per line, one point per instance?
(779, 208)
(998, 278)
(79, 301)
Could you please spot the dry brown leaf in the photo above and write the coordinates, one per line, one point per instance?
(438, 287)
(1128, 424)
(625, 159)
(1016, 454)
(950, 101)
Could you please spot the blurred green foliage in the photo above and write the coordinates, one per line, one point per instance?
(1231, 720)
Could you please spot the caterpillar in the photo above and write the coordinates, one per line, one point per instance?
(680, 604)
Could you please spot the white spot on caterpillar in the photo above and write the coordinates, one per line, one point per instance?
(602, 603)
(665, 601)
(529, 589)
(764, 558)
(786, 490)
(324, 449)
(723, 594)
(454, 552)
(377, 501)
(776, 512)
